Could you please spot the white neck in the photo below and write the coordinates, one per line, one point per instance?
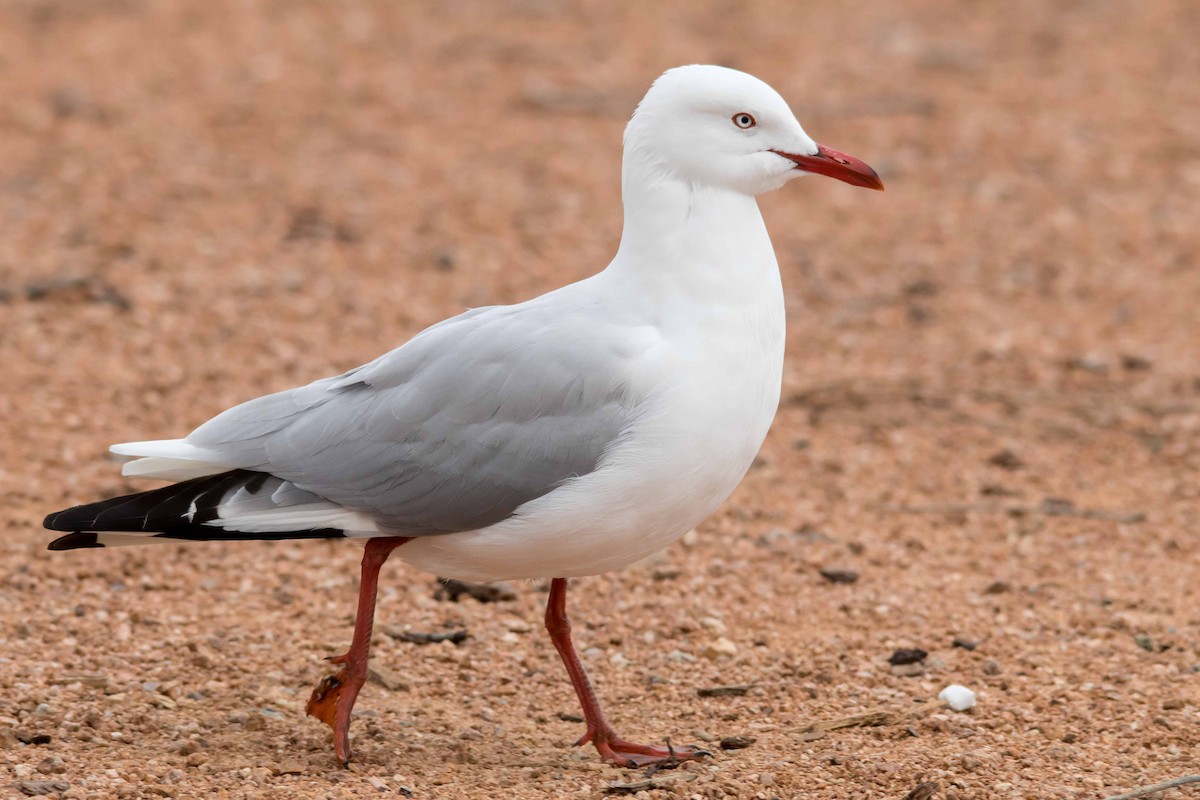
(684, 240)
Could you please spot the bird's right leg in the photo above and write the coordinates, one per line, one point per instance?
(333, 699)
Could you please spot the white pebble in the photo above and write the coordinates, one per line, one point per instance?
(959, 698)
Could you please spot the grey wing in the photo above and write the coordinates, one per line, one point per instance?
(452, 431)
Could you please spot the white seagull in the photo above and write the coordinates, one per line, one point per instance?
(565, 436)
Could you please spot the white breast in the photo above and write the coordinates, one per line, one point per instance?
(714, 388)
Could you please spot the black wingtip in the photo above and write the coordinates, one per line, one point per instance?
(74, 541)
(69, 519)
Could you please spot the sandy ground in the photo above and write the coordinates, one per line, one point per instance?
(991, 408)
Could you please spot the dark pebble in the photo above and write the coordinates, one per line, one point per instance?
(913, 655)
(415, 637)
(38, 788)
(723, 691)
(451, 589)
(1006, 459)
(25, 737)
(965, 644)
(836, 575)
(737, 742)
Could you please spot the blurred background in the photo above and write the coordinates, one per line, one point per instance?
(990, 414)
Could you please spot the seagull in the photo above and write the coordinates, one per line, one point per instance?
(562, 437)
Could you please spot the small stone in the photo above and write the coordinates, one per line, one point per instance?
(1006, 459)
(912, 670)
(1173, 704)
(52, 766)
(680, 656)
(196, 759)
(924, 791)
(958, 697)
(450, 589)
(38, 788)
(713, 624)
(724, 691)
(965, 644)
(386, 679)
(839, 575)
(91, 680)
(568, 717)
(997, 587)
(991, 667)
(766, 778)
(162, 701)
(1135, 363)
(912, 655)
(737, 742)
(722, 647)
(25, 737)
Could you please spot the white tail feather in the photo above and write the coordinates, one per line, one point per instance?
(169, 469)
(167, 448)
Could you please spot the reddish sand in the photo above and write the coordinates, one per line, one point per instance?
(991, 408)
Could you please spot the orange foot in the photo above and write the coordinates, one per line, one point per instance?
(333, 700)
(616, 750)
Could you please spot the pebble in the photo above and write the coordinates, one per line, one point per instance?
(737, 742)
(958, 697)
(738, 690)
(37, 788)
(52, 766)
(909, 655)
(839, 575)
(722, 647)
(910, 670)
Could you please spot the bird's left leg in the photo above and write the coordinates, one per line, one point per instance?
(600, 732)
(333, 699)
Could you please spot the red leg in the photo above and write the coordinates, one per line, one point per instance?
(333, 699)
(612, 747)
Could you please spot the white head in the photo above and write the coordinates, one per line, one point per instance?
(718, 127)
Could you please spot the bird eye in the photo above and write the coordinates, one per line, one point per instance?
(744, 120)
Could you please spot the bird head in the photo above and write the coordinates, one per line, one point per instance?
(718, 127)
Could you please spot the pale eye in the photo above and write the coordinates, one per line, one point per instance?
(744, 120)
